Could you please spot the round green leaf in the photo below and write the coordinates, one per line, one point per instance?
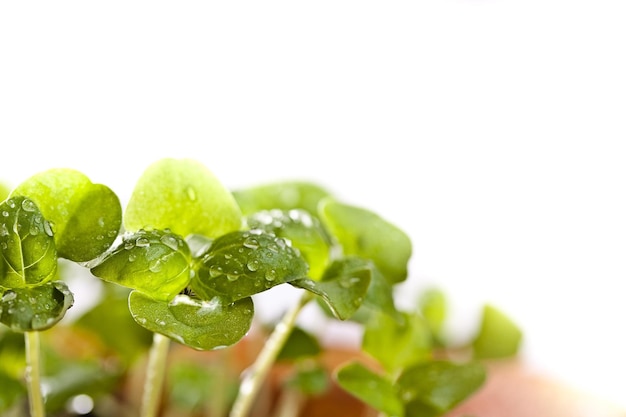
(27, 249)
(363, 233)
(155, 262)
(184, 196)
(303, 230)
(439, 384)
(243, 263)
(284, 195)
(300, 344)
(37, 308)
(343, 286)
(371, 388)
(498, 337)
(86, 217)
(397, 344)
(199, 324)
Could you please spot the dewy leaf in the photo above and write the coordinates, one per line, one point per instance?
(157, 263)
(498, 337)
(440, 385)
(244, 263)
(199, 324)
(87, 217)
(284, 195)
(37, 308)
(343, 286)
(303, 230)
(27, 250)
(363, 233)
(397, 344)
(371, 388)
(184, 196)
(4, 192)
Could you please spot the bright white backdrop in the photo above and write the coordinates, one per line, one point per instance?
(491, 131)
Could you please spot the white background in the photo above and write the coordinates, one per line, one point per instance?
(491, 131)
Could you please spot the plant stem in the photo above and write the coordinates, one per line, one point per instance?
(155, 375)
(33, 374)
(255, 375)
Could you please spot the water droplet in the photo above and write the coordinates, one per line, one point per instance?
(170, 241)
(28, 205)
(232, 277)
(215, 271)
(142, 242)
(228, 256)
(48, 227)
(5, 213)
(11, 203)
(34, 230)
(270, 275)
(191, 193)
(3, 230)
(37, 219)
(251, 243)
(9, 296)
(99, 237)
(4, 245)
(112, 233)
(156, 266)
(132, 257)
(253, 265)
(101, 222)
(347, 282)
(129, 244)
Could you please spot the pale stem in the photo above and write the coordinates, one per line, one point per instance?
(255, 376)
(289, 403)
(33, 374)
(155, 375)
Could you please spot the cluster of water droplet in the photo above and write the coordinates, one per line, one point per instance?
(244, 263)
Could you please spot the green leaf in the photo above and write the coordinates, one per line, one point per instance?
(433, 306)
(380, 295)
(284, 195)
(310, 379)
(397, 344)
(439, 385)
(303, 230)
(498, 337)
(300, 344)
(36, 308)
(343, 286)
(363, 233)
(156, 262)
(4, 192)
(371, 388)
(27, 249)
(244, 263)
(184, 196)
(86, 217)
(199, 324)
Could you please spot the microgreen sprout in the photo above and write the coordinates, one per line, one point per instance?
(186, 259)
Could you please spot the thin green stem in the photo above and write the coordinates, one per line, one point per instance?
(155, 375)
(255, 376)
(33, 374)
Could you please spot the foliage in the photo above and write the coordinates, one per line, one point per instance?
(187, 257)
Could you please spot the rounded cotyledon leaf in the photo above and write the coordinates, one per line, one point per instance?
(27, 249)
(155, 262)
(343, 287)
(86, 217)
(303, 230)
(364, 233)
(184, 196)
(200, 324)
(244, 263)
(36, 308)
(283, 195)
(370, 387)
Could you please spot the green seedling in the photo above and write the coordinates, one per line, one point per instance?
(191, 256)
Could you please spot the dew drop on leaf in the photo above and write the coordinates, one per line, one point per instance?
(215, 271)
(142, 242)
(253, 265)
(251, 243)
(170, 241)
(28, 205)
